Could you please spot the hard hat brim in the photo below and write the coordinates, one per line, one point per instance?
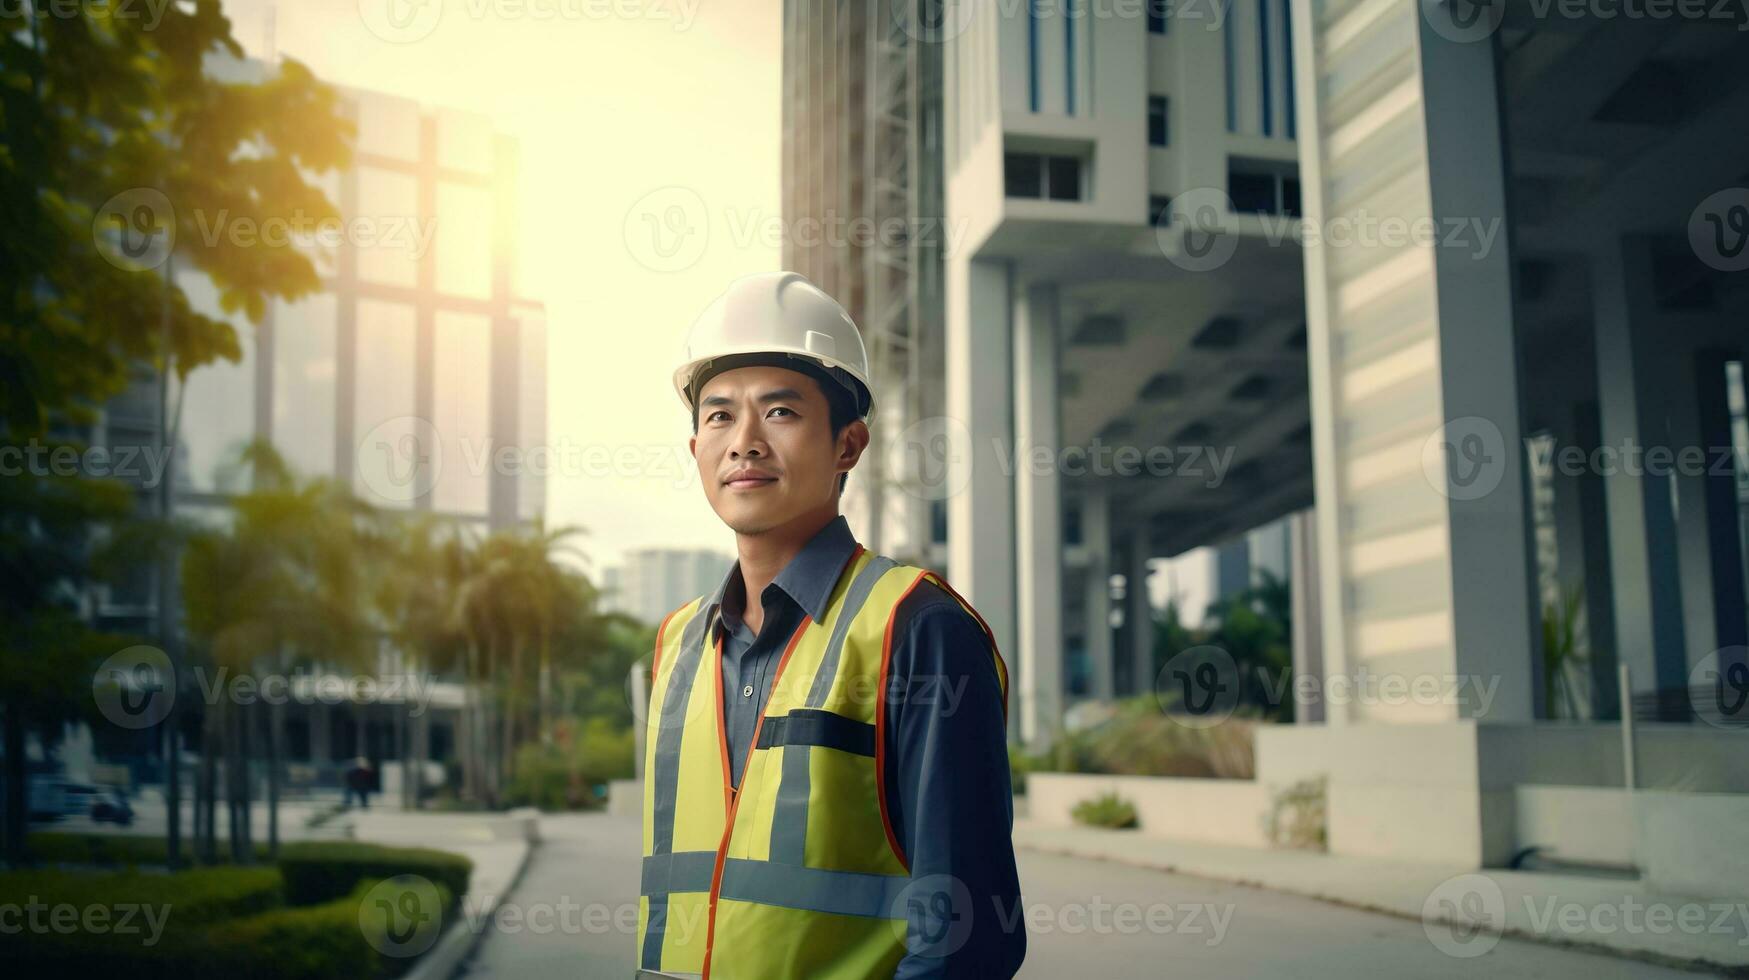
(684, 375)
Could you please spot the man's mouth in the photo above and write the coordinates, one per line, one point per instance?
(749, 481)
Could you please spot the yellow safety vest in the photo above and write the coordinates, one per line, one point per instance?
(797, 873)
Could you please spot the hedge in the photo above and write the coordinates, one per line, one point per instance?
(321, 871)
(318, 942)
(115, 850)
(193, 897)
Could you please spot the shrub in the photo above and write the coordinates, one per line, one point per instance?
(316, 942)
(1108, 810)
(198, 896)
(565, 774)
(1297, 816)
(322, 871)
(202, 936)
(1140, 740)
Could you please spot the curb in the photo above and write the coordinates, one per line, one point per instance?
(448, 958)
(1691, 964)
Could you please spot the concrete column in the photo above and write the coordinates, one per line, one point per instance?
(1139, 613)
(980, 438)
(1038, 514)
(1717, 508)
(1423, 531)
(1308, 630)
(1096, 534)
(1643, 555)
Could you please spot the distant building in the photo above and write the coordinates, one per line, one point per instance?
(653, 582)
(403, 376)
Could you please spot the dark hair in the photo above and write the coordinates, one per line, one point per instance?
(841, 405)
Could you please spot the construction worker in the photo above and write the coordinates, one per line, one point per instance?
(826, 791)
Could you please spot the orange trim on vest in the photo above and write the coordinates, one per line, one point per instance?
(881, 722)
(1001, 665)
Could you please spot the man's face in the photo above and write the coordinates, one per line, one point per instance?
(765, 450)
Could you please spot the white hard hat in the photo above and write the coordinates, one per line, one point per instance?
(777, 313)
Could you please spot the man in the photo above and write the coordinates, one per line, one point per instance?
(826, 792)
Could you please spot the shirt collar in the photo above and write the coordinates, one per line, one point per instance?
(808, 578)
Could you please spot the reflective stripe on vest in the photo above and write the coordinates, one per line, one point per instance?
(797, 873)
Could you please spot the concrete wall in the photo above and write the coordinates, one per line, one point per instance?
(1212, 811)
(1683, 843)
(1694, 843)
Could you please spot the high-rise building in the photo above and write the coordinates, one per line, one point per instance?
(654, 582)
(1349, 263)
(407, 375)
(862, 175)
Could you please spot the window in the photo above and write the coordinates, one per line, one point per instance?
(305, 369)
(1031, 175)
(1065, 179)
(462, 411)
(1258, 188)
(1157, 131)
(1158, 11)
(1159, 210)
(386, 457)
(1022, 174)
(1252, 192)
(464, 240)
(389, 201)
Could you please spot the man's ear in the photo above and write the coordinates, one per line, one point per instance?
(855, 438)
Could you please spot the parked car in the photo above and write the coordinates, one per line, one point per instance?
(109, 805)
(48, 797)
(77, 798)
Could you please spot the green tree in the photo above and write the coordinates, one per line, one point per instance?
(113, 132)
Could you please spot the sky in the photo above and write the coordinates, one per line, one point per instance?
(650, 135)
(636, 118)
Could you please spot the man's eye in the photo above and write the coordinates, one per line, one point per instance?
(716, 415)
(780, 408)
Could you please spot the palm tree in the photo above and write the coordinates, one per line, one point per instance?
(285, 579)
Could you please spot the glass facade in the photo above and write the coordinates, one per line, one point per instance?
(388, 204)
(462, 411)
(464, 240)
(218, 416)
(388, 126)
(385, 403)
(305, 373)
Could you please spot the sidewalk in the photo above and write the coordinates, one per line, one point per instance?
(1464, 911)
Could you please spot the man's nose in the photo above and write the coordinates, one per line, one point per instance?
(747, 439)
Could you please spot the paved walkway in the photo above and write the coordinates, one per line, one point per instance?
(1466, 913)
(1085, 919)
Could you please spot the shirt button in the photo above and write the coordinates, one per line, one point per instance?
(747, 691)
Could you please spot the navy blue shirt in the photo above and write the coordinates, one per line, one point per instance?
(948, 792)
